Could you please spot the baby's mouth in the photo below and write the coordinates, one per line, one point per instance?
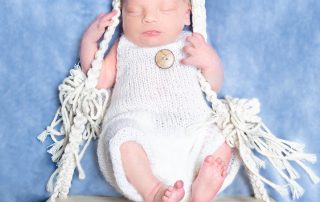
(151, 33)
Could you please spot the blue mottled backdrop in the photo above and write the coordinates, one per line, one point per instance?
(270, 50)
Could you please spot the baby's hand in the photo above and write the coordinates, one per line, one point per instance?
(200, 53)
(97, 27)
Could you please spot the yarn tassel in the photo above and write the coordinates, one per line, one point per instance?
(256, 136)
(296, 190)
(68, 161)
(82, 109)
(50, 130)
(244, 129)
(82, 174)
(313, 177)
(259, 189)
(81, 113)
(50, 184)
(57, 150)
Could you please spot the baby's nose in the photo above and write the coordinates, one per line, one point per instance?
(150, 17)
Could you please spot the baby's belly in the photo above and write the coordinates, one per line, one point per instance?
(176, 113)
(171, 99)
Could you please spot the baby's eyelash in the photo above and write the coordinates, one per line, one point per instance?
(169, 9)
(132, 9)
(134, 12)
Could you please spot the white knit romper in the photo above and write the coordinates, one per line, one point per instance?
(165, 111)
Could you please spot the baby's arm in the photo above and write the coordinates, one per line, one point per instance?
(204, 57)
(89, 46)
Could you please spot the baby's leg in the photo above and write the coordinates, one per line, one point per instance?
(211, 175)
(138, 172)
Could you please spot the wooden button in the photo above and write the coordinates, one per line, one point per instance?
(164, 59)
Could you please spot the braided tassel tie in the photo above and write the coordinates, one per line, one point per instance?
(82, 110)
(243, 129)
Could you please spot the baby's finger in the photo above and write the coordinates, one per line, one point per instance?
(198, 36)
(188, 61)
(189, 50)
(100, 15)
(105, 22)
(109, 16)
(193, 40)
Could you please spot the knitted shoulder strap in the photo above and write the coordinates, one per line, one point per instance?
(79, 118)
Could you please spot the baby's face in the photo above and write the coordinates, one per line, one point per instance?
(149, 23)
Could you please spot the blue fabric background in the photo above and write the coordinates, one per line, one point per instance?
(270, 50)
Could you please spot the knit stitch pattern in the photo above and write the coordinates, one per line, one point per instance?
(172, 95)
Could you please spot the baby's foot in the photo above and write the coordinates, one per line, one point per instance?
(209, 180)
(170, 194)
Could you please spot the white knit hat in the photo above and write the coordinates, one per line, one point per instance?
(83, 106)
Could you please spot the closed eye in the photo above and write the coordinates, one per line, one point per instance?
(133, 11)
(168, 6)
(169, 9)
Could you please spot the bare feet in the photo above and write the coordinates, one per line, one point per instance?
(170, 194)
(209, 180)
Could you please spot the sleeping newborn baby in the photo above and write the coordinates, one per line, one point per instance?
(158, 141)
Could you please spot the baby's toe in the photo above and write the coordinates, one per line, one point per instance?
(224, 167)
(218, 161)
(178, 184)
(165, 198)
(224, 173)
(167, 193)
(209, 159)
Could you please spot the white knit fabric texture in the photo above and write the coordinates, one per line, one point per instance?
(172, 95)
(165, 111)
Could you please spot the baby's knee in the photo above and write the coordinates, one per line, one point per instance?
(129, 146)
(131, 149)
